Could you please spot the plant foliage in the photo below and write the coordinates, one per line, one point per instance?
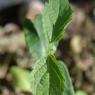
(49, 76)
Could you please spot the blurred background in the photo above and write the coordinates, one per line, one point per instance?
(76, 49)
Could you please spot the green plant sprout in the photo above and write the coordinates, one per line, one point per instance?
(49, 76)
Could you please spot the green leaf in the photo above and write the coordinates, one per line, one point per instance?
(21, 78)
(63, 19)
(56, 77)
(36, 39)
(47, 78)
(68, 83)
(56, 15)
(50, 15)
(80, 92)
(44, 35)
(32, 39)
(40, 78)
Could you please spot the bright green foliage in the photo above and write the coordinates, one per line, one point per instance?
(48, 28)
(36, 39)
(21, 78)
(56, 15)
(56, 79)
(40, 78)
(64, 17)
(50, 15)
(80, 92)
(49, 76)
(68, 84)
(47, 79)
